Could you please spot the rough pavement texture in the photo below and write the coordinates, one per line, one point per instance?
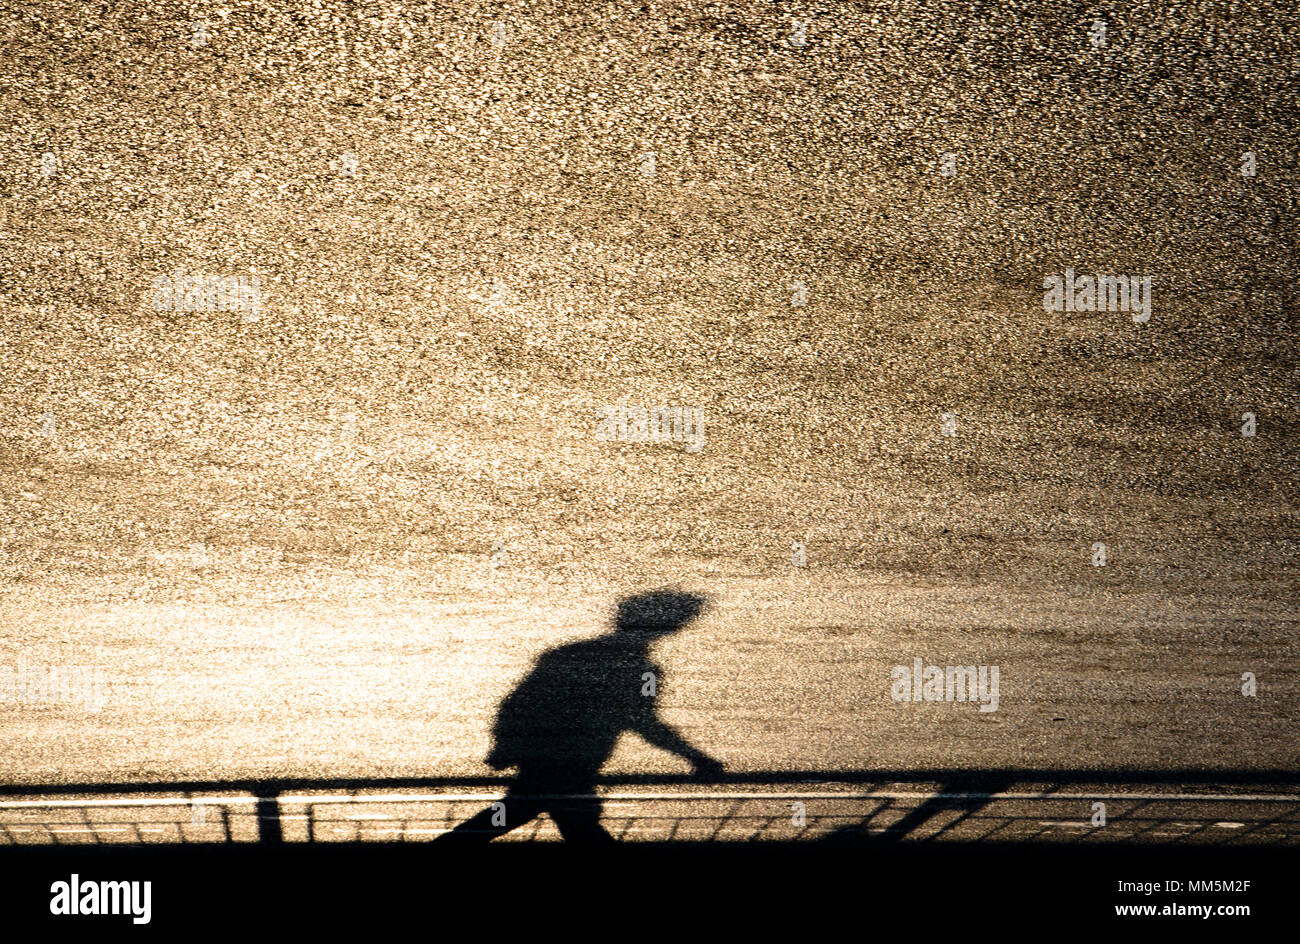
(328, 539)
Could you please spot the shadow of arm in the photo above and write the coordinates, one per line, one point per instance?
(665, 736)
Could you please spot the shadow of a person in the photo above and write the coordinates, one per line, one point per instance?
(560, 724)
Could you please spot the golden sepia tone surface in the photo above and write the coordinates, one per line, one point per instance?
(327, 537)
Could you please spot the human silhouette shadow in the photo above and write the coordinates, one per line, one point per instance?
(561, 723)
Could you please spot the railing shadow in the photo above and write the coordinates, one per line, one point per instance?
(949, 807)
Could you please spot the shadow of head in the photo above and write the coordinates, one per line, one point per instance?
(658, 613)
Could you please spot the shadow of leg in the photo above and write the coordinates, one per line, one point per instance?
(579, 821)
(488, 824)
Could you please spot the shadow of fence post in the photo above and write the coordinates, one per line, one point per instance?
(269, 830)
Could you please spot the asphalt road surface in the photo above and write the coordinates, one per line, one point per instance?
(324, 539)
